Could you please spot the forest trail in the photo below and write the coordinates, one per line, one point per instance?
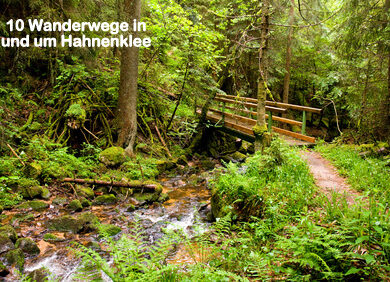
(327, 178)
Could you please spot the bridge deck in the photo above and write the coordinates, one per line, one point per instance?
(244, 129)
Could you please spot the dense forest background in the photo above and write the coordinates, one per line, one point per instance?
(333, 55)
(105, 150)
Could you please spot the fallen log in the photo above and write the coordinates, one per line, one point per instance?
(111, 183)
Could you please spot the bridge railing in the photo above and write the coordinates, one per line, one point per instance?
(246, 105)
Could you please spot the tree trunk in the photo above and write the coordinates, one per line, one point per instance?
(262, 136)
(286, 85)
(127, 102)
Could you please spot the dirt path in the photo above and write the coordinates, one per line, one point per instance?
(327, 178)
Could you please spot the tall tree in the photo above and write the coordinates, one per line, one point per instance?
(262, 135)
(127, 102)
(287, 76)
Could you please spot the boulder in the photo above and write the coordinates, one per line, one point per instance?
(105, 200)
(5, 244)
(59, 201)
(28, 246)
(66, 223)
(85, 203)
(163, 166)
(75, 205)
(45, 194)
(15, 257)
(236, 157)
(85, 192)
(35, 205)
(113, 156)
(9, 231)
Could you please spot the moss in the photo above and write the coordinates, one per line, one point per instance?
(9, 231)
(85, 203)
(105, 200)
(110, 229)
(59, 201)
(146, 198)
(88, 220)
(1, 209)
(49, 237)
(163, 197)
(45, 194)
(207, 164)
(85, 192)
(35, 205)
(94, 246)
(130, 208)
(5, 244)
(113, 156)
(260, 130)
(235, 157)
(66, 223)
(15, 257)
(28, 246)
(182, 160)
(33, 170)
(75, 205)
(163, 166)
(39, 275)
(6, 167)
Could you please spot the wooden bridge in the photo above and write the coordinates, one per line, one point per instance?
(240, 118)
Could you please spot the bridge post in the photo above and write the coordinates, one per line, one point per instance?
(223, 112)
(269, 121)
(304, 122)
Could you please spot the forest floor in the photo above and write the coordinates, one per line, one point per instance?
(327, 178)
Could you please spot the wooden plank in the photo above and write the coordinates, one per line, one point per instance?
(250, 105)
(227, 123)
(294, 134)
(236, 117)
(275, 118)
(272, 103)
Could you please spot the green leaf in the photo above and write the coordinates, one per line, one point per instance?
(352, 271)
(361, 239)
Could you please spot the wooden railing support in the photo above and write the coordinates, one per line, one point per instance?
(304, 122)
(223, 111)
(269, 121)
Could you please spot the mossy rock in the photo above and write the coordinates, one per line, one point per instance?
(182, 160)
(85, 192)
(247, 148)
(5, 244)
(207, 164)
(33, 170)
(31, 192)
(28, 246)
(15, 257)
(105, 200)
(51, 238)
(59, 201)
(88, 220)
(130, 208)
(94, 246)
(236, 157)
(85, 203)
(113, 156)
(9, 231)
(163, 197)
(45, 194)
(146, 198)
(110, 229)
(66, 223)
(163, 166)
(75, 205)
(35, 205)
(39, 275)
(3, 270)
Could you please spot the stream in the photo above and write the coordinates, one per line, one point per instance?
(188, 207)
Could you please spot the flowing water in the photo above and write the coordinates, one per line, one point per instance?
(187, 207)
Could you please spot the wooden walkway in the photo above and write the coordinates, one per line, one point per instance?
(239, 119)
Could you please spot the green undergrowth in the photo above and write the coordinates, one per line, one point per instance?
(299, 235)
(371, 175)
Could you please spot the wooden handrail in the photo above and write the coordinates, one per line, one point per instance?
(271, 103)
(254, 114)
(250, 105)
